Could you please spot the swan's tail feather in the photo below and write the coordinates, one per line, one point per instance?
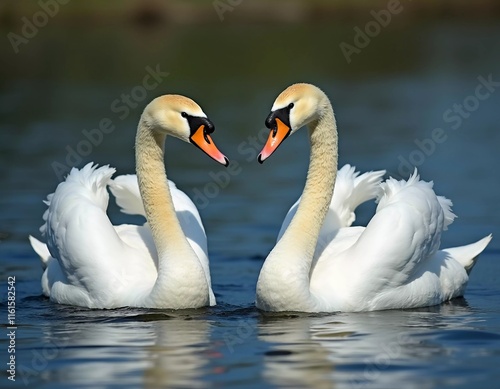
(468, 255)
(126, 191)
(353, 189)
(94, 181)
(41, 249)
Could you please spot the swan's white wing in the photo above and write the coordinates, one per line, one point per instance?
(96, 264)
(394, 262)
(126, 190)
(94, 267)
(405, 230)
(351, 190)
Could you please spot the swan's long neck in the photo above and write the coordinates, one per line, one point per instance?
(181, 281)
(284, 279)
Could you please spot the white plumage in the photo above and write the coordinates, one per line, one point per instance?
(163, 263)
(395, 261)
(89, 262)
(321, 263)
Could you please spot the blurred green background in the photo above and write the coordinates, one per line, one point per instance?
(233, 56)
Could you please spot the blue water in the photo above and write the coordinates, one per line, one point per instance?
(387, 103)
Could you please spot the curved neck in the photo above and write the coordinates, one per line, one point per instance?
(177, 262)
(286, 270)
(318, 190)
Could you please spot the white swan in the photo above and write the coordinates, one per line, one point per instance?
(392, 263)
(162, 264)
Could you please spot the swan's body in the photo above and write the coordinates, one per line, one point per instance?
(162, 264)
(321, 264)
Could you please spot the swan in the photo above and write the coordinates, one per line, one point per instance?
(392, 263)
(91, 263)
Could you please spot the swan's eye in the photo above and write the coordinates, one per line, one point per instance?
(290, 106)
(184, 114)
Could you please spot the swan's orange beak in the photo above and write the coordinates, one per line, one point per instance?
(277, 135)
(203, 140)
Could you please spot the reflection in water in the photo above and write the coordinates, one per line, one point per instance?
(295, 360)
(375, 349)
(178, 355)
(146, 350)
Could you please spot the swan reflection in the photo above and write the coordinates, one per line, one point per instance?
(148, 350)
(179, 354)
(353, 350)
